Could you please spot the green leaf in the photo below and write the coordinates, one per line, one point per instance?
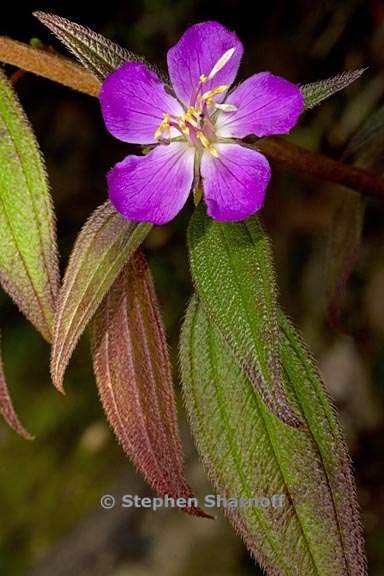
(7, 410)
(316, 92)
(28, 255)
(232, 270)
(251, 454)
(102, 248)
(93, 50)
(134, 378)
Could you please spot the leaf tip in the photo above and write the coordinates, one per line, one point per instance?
(58, 384)
(57, 379)
(15, 425)
(26, 435)
(274, 398)
(39, 14)
(199, 512)
(46, 18)
(286, 415)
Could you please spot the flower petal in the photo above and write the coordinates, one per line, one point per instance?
(196, 53)
(153, 188)
(266, 104)
(235, 182)
(133, 101)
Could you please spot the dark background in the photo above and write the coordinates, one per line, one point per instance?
(51, 522)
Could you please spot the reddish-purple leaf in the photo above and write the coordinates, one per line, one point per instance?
(134, 379)
(102, 248)
(7, 410)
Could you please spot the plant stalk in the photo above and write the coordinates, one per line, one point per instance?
(48, 65)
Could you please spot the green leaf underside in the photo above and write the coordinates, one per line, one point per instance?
(7, 410)
(232, 270)
(316, 92)
(133, 373)
(102, 248)
(249, 453)
(28, 256)
(94, 51)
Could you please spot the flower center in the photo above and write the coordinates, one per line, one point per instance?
(196, 125)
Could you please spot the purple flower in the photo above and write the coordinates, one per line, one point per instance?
(196, 129)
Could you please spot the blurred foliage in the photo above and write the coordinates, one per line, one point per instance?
(50, 485)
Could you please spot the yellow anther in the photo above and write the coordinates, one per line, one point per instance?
(218, 90)
(195, 112)
(164, 127)
(203, 139)
(226, 107)
(213, 151)
(203, 78)
(221, 63)
(206, 144)
(190, 116)
(183, 127)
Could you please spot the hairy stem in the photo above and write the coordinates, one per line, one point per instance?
(301, 160)
(64, 71)
(51, 66)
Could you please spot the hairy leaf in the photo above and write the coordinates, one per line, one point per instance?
(233, 273)
(93, 50)
(251, 454)
(28, 255)
(7, 410)
(134, 379)
(316, 92)
(102, 248)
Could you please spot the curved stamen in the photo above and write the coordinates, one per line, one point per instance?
(221, 63)
(226, 107)
(207, 144)
(164, 127)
